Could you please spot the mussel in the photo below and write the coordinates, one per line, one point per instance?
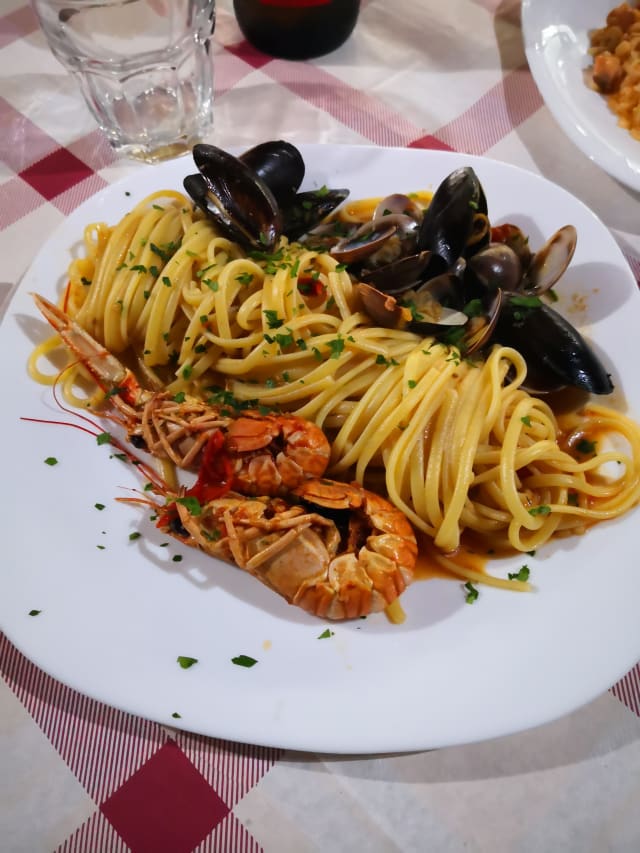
(255, 198)
(233, 195)
(556, 353)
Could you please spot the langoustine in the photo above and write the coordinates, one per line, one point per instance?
(334, 549)
(254, 452)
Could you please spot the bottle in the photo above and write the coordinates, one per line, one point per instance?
(296, 29)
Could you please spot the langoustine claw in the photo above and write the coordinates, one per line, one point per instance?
(255, 453)
(340, 553)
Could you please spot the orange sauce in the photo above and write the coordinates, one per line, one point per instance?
(361, 210)
(467, 556)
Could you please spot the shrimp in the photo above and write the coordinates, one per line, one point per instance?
(334, 549)
(255, 453)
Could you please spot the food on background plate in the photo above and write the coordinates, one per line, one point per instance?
(616, 64)
(414, 334)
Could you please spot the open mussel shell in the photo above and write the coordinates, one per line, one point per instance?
(231, 194)
(306, 210)
(556, 353)
(279, 164)
(448, 221)
(550, 262)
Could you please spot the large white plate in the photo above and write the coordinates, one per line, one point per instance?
(113, 621)
(556, 35)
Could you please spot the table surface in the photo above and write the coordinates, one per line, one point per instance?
(78, 775)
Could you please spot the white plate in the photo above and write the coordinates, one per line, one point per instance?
(113, 621)
(556, 36)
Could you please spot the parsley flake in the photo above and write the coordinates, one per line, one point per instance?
(35, 612)
(326, 634)
(51, 460)
(192, 504)
(185, 661)
(543, 509)
(521, 575)
(244, 660)
(472, 593)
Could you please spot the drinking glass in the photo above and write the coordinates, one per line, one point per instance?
(144, 68)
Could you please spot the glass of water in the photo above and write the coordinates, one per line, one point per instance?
(144, 67)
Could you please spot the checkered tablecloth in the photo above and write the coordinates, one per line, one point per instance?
(77, 775)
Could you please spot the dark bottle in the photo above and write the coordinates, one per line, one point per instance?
(296, 29)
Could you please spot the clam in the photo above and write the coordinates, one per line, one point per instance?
(551, 261)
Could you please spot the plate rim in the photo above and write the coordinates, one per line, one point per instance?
(367, 746)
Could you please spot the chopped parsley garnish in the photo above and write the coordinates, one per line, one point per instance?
(521, 575)
(104, 438)
(185, 661)
(35, 612)
(244, 660)
(138, 268)
(179, 397)
(543, 509)
(99, 506)
(245, 278)
(192, 504)
(525, 301)
(586, 447)
(176, 715)
(187, 370)
(526, 420)
(51, 460)
(165, 251)
(166, 281)
(336, 347)
(412, 383)
(472, 592)
(273, 321)
(473, 308)
(177, 558)
(326, 634)
(135, 535)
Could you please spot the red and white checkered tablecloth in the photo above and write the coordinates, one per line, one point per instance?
(77, 775)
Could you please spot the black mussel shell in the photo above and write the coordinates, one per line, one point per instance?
(279, 164)
(231, 194)
(449, 219)
(307, 209)
(556, 352)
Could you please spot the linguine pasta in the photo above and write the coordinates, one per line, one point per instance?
(458, 445)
